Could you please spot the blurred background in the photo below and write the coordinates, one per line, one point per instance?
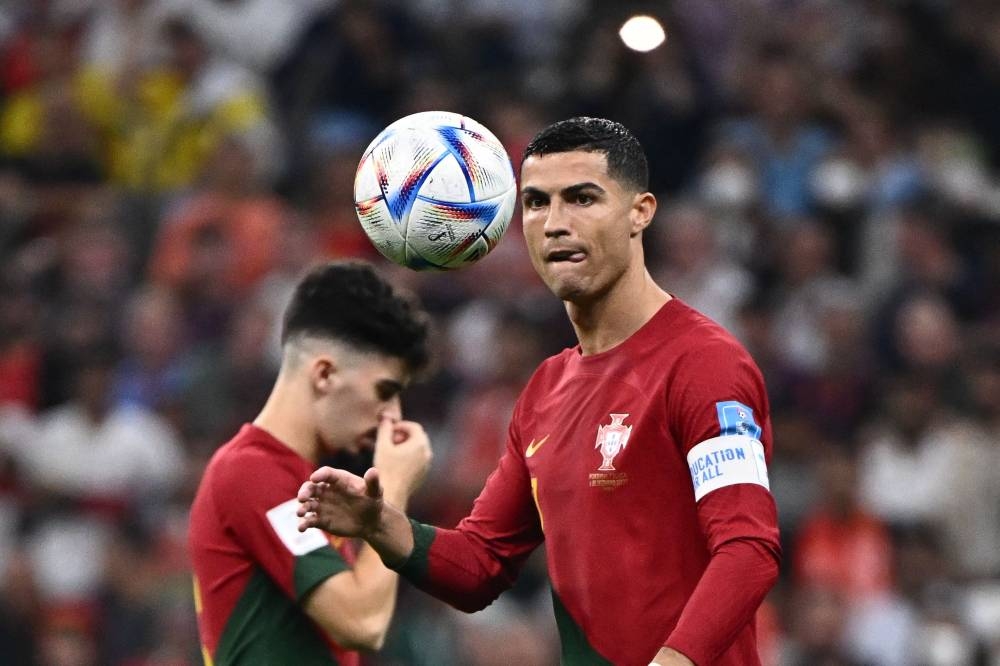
(829, 181)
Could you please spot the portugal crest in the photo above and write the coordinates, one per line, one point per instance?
(611, 440)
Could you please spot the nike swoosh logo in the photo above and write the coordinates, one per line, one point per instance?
(534, 446)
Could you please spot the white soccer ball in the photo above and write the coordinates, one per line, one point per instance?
(435, 190)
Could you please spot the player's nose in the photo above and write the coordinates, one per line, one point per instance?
(557, 222)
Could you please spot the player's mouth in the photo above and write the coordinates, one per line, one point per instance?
(561, 255)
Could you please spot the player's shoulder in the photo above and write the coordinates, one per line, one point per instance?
(703, 346)
(248, 455)
(554, 366)
(699, 333)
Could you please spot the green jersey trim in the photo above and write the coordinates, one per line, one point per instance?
(314, 567)
(576, 649)
(415, 567)
(266, 627)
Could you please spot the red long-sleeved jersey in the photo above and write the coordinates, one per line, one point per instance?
(643, 471)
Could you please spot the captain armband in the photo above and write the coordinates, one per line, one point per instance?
(726, 461)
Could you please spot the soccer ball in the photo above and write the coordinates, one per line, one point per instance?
(435, 191)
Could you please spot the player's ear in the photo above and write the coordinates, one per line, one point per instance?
(323, 373)
(642, 212)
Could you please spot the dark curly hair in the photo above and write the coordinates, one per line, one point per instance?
(348, 301)
(626, 157)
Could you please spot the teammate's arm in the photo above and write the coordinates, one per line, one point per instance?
(355, 607)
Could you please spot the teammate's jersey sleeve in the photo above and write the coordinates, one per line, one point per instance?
(720, 418)
(469, 566)
(260, 513)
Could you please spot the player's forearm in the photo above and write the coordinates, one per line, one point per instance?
(461, 570)
(368, 593)
(725, 600)
(392, 537)
(375, 595)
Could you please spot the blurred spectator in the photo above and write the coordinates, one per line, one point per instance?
(696, 270)
(122, 37)
(91, 460)
(794, 474)
(162, 123)
(331, 205)
(809, 281)
(215, 246)
(151, 373)
(297, 250)
(816, 618)
(780, 137)
(254, 33)
(837, 393)
(230, 380)
(68, 638)
(922, 465)
(97, 451)
(841, 546)
(42, 124)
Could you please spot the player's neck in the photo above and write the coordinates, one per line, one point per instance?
(610, 320)
(283, 417)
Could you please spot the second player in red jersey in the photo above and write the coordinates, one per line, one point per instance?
(266, 593)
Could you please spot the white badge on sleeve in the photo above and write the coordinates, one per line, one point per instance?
(726, 461)
(286, 526)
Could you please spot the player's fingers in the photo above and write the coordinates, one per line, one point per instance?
(410, 431)
(307, 521)
(306, 491)
(384, 433)
(308, 506)
(325, 474)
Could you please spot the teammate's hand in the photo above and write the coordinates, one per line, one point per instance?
(402, 457)
(670, 657)
(340, 502)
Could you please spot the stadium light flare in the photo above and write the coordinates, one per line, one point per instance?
(642, 33)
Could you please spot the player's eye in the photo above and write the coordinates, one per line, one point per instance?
(583, 199)
(533, 202)
(387, 390)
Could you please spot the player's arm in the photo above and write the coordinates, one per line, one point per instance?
(355, 607)
(467, 567)
(726, 436)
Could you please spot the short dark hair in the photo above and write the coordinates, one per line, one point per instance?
(626, 158)
(350, 302)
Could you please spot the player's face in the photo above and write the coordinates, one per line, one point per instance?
(363, 388)
(579, 223)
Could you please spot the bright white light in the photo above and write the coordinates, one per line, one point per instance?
(642, 33)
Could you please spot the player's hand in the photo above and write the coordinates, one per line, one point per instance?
(340, 502)
(402, 457)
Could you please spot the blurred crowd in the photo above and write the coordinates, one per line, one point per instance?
(828, 174)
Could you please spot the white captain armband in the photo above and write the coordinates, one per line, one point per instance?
(726, 461)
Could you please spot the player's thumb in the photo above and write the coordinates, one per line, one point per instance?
(373, 487)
